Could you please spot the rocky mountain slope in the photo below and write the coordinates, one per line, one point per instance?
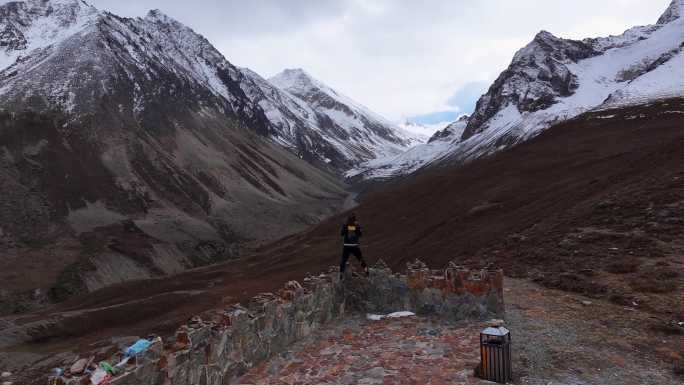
(321, 125)
(592, 206)
(131, 148)
(552, 80)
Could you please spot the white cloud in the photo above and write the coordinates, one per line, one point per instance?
(401, 58)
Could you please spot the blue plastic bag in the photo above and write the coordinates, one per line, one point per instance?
(138, 347)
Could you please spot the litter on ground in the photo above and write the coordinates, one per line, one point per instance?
(399, 314)
(138, 347)
(100, 376)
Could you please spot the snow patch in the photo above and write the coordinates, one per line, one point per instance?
(56, 21)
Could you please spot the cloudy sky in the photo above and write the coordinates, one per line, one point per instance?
(427, 61)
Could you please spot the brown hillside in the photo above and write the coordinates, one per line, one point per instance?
(595, 205)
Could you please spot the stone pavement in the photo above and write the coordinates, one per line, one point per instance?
(411, 350)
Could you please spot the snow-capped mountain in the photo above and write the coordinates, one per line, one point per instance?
(136, 140)
(321, 125)
(69, 55)
(440, 145)
(294, 110)
(552, 80)
(325, 125)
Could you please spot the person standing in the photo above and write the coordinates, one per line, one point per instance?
(351, 235)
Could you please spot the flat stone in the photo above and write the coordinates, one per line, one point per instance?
(390, 351)
(79, 366)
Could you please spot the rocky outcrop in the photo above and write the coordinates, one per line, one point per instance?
(673, 12)
(221, 345)
(452, 132)
(536, 78)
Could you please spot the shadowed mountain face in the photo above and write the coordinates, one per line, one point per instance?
(128, 150)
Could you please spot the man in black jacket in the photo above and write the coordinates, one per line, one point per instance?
(351, 233)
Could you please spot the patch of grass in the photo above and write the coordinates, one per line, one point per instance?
(572, 282)
(656, 280)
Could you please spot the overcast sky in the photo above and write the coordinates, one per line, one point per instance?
(424, 60)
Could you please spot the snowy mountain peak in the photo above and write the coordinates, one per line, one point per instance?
(673, 12)
(547, 44)
(299, 83)
(139, 59)
(293, 73)
(296, 80)
(544, 35)
(355, 133)
(29, 25)
(159, 17)
(551, 80)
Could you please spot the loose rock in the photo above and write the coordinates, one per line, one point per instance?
(79, 366)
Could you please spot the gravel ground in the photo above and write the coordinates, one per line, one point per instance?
(411, 350)
(563, 338)
(558, 338)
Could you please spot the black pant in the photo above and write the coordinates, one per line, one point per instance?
(356, 251)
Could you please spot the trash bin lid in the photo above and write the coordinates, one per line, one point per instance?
(500, 331)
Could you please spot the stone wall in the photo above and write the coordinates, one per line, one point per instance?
(221, 345)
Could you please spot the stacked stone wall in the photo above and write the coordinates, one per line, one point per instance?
(219, 346)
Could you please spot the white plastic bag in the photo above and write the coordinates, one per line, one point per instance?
(399, 314)
(98, 376)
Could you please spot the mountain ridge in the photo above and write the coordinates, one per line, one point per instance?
(321, 125)
(130, 149)
(551, 80)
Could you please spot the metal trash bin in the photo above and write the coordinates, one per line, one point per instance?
(495, 355)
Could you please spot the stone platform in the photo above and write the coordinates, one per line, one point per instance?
(409, 350)
(220, 346)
